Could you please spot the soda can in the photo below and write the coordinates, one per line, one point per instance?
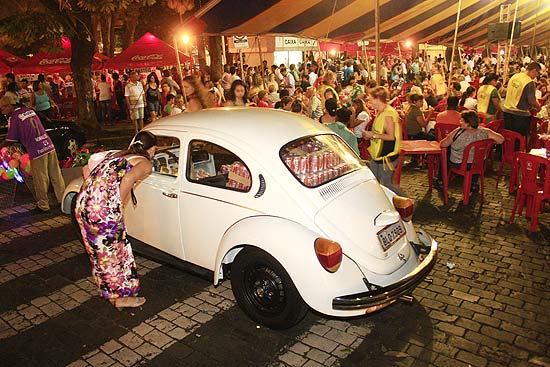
(315, 179)
(337, 160)
(288, 161)
(302, 164)
(295, 164)
(307, 179)
(326, 175)
(313, 165)
(332, 159)
(321, 161)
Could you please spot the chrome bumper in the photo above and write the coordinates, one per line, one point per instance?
(383, 296)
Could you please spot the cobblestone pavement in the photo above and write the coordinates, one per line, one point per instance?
(488, 304)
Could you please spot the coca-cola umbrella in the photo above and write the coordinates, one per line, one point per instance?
(147, 51)
(8, 59)
(4, 68)
(60, 62)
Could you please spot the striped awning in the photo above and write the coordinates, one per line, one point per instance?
(421, 21)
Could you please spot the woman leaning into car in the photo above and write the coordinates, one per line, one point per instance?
(385, 138)
(98, 211)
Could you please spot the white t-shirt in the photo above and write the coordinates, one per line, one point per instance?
(104, 91)
(470, 103)
(358, 130)
(135, 94)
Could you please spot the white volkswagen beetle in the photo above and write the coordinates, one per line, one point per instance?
(282, 206)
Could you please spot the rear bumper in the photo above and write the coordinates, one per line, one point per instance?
(383, 296)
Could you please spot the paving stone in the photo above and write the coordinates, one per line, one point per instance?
(162, 325)
(292, 359)
(319, 329)
(185, 322)
(40, 301)
(142, 329)
(300, 348)
(111, 346)
(337, 324)
(312, 364)
(131, 340)
(461, 343)
(341, 337)
(317, 355)
(318, 342)
(178, 333)
(530, 345)
(100, 360)
(169, 314)
(126, 357)
(148, 351)
(51, 309)
(79, 363)
(157, 338)
(497, 334)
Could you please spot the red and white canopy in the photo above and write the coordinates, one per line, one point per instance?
(147, 51)
(45, 63)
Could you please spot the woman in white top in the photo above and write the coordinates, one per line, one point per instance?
(360, 118)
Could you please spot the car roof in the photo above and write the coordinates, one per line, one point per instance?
(259, 127)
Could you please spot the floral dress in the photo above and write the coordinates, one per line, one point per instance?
(98, 212)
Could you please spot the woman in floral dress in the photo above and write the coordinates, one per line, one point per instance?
(99, 208)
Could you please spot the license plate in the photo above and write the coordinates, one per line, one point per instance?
(391, 234)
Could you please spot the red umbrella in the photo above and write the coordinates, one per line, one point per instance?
(4, 68)
(147, 51)
(60, 62)
(8, 59)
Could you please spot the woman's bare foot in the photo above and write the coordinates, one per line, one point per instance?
(124, 302)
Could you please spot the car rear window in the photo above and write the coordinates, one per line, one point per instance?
(316, 160)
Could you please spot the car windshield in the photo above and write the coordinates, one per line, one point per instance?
(316, 160)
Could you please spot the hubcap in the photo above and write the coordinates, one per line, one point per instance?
(264, 289)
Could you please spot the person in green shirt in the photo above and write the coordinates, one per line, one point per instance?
(337, 119)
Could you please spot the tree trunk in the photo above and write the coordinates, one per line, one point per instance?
(112, 36)
(201, 52)
(81, 61)
(106, 26)
(215, 49)
(95, 33)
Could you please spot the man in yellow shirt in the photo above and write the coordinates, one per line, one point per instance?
(520, 100)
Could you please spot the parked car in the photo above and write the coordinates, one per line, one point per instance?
(66, 136)
(282, 206)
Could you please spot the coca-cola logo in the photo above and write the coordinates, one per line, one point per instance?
(147, 57)
(61, 60)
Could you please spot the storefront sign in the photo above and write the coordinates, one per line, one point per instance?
(295, 44)
(240, 41)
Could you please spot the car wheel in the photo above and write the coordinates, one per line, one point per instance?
(265, 291)
(76, 226)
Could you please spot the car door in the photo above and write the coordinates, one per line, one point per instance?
(156, 219)
(217, 191)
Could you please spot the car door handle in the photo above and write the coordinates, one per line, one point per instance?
(171, 195)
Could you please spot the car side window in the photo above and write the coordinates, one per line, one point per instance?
(166, 159)
(212, 165)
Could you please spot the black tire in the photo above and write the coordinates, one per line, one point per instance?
(265, 291)
(74, 221)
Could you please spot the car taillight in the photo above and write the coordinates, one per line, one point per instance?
(404, 206)
(329, 254)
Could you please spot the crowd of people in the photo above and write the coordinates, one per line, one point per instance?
(411, 98)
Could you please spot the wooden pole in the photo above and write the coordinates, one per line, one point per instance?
(224, 56)
(506, 62)
(535, 32)
(377, 39)
(179, 66)
(264, 82)
(454, 43)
